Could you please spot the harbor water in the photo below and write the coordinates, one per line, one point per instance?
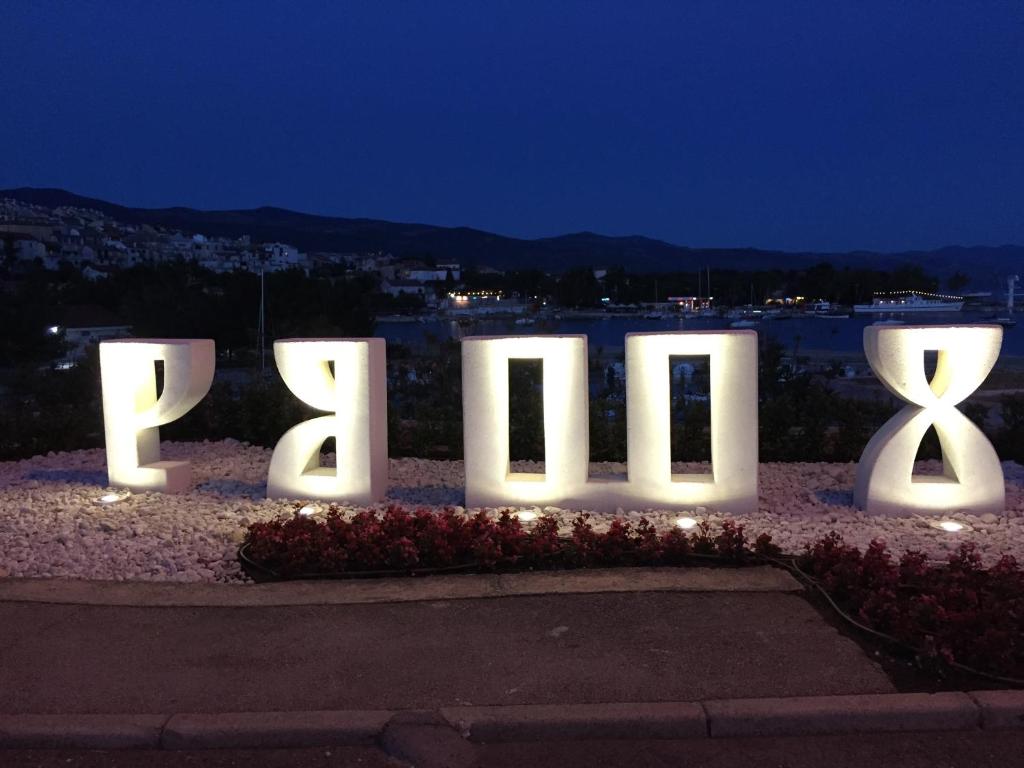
(803, 334)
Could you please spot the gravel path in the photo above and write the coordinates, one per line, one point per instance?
(51, 523)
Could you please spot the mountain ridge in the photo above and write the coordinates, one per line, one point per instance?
(471, 246)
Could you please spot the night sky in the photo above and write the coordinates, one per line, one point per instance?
(798, 125)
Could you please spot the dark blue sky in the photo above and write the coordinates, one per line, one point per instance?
(798, 125)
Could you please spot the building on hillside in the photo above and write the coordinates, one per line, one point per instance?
(455, 269)
(425, 275)
(398, 287)
(29, 250)
(83, 325)
(278, 256)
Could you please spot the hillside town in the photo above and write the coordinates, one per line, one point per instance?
(95, 244)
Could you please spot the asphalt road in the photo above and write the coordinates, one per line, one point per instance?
(931, 750)
(547, 649)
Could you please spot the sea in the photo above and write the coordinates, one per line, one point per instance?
(801, 335)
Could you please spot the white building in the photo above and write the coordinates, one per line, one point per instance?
(29, 250)
(84, 325)
(397, 287)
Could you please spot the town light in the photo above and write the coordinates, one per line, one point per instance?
(53, 330)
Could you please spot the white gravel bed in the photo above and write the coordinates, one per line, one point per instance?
(52, 525)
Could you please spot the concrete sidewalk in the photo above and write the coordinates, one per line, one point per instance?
(450, 671)
(544, 649)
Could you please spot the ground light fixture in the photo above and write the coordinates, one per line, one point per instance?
(950, 526)
(113, 497)
(309, 510)
(526, 515)
(686, 523)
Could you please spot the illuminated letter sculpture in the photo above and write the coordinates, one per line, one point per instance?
(485, 404)
(730, 487)
(132, 412)
(356, 396)
(972, 478)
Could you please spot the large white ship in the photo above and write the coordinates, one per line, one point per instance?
(911, 301)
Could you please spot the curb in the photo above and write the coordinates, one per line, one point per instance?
(663, 720)
(715, 719)
(397, 589)
(81, 731)
(871, 713)
(273, 730)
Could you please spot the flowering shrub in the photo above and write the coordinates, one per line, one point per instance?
(399, 540)
(959, 612)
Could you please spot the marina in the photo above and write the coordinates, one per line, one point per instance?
(802, 334)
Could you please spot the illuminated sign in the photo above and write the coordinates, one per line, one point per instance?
(731, 486)
(132, 412)
(353, 396)
(972, 477)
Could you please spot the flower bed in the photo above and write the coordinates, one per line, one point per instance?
(957, 613)
(968, 617)
(398, 541)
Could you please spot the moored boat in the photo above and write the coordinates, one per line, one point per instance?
(911, 301)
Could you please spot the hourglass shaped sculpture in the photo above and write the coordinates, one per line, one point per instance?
(972, 479)
(133, 413)
(355, 395)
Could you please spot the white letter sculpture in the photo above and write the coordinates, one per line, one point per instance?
(730, 487)
(972, 478)
(356, 396)
(732, 484)
(132, 412)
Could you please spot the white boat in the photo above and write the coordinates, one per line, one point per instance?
(911, 301)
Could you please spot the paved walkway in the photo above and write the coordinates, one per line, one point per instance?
(437, 652)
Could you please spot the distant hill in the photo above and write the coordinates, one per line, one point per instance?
(555, 254)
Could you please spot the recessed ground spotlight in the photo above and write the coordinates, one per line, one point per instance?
(309, 509)
(685, 523)
(951, 526)
(526, 516)
(111, 498)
